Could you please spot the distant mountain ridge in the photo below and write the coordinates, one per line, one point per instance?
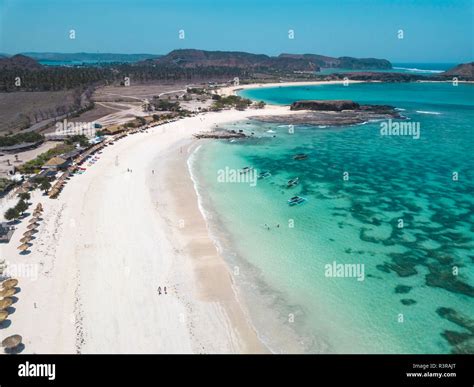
(190, 58)
(19, 62)
(88, 57)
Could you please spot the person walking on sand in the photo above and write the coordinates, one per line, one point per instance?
(159, 290)
(165, 290)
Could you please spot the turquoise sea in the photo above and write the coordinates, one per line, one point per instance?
(398, 207)
(426, 69)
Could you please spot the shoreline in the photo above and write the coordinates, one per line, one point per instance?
(100, 257)
(232, 90)
(214, 281)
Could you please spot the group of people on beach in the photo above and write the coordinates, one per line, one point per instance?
(164, 290)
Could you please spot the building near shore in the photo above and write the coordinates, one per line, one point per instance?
(6, 232)
(69, 156)
(113, 129)
(56, 163)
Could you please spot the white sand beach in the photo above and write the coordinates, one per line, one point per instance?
(232, 90)
(111, 239)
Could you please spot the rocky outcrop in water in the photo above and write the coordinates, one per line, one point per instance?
(464, 71)
(220, 134)
(461, 342)
(322, 105)
(332, 113)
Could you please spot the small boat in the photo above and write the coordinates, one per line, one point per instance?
(300, 156)
(264, 175)
(292, 182)
(295, 200)
(246, 170)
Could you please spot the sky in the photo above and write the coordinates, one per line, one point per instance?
(439, 31)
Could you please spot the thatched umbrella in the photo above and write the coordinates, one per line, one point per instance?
(39, 207)
(24, 246)
(12, 341)
(5, 303)
(7, 292)
(25, 239)
(34, 218)
(29, 233)
(3, 315)
(9, 283)
(33, 225)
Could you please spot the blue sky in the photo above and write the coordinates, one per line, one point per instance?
(434, 30)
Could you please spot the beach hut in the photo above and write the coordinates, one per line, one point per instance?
(5, 303)
(39, 207)
(11, 342)
(9, 283)
(25, 239)
(7, 292)
(56, 163)
(33, 225)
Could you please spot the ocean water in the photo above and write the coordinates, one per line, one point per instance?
(408, 68)
(400, 209)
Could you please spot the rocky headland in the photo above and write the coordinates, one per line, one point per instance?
(332, 113)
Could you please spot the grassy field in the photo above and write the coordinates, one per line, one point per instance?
(18, 110)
